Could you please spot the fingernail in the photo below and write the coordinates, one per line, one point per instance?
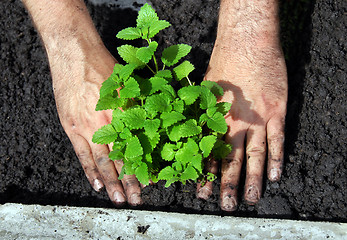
(204, 193)
(274, 174)
(229, 203)
(97, 185)
(135, 199)
(118, 197)
(252, 195)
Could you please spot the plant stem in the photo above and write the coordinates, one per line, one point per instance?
(190, 83)
(155, 63)
(150, 69)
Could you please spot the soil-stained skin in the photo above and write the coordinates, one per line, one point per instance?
(37, 161)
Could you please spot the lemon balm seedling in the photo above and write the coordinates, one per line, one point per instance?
(161, 134)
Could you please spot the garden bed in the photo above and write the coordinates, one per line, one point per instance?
(37, 161)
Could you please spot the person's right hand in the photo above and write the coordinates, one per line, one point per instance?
(77, 78)
(79, 64)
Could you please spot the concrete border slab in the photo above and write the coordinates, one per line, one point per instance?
(19, 221)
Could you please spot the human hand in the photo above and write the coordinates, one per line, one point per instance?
(79, 64)
(252, 72)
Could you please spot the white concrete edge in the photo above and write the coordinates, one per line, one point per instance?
(19, 221)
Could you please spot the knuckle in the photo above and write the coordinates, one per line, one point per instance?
(101, 160)
(130, 182)
(278, 138)
(255, 150)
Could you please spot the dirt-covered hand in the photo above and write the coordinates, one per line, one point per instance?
(249, 64)
(79, 64)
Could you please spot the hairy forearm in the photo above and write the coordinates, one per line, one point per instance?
(253, 21)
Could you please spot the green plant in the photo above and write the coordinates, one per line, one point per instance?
(161, 134)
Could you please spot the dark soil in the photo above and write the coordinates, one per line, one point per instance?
(38, 164)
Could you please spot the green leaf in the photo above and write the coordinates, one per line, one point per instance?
(171, 181)
(167, 173)
(211, 177)
(134, 118)
(203, 118)
(164, 74)
(221, 150)
(145, 143)
(133, 148)
(107, 102)
(145, 54)
(190, 128)
(168, 151)
(174, 133)
(131, 89)
(206, 144)
(189, 174)
(183, 70)
(146, 16)
(157, 84)
(174, 53)
(208, 100)
(126, 71)
(125, 134)
(211, 111)
(156, 27)
(214, 87)
(109, 86)
(178, 106)
(158, 103)
(170, 118)
(217, 123)
(128, 54)
(105, 135)
(197, 163)
(116, 120)
(129, 33)
(223, 107)
(189, 94)
(188, 152)
(115, 155)
(169, 91)
(141, 173)
(151, 127)
(155, 140)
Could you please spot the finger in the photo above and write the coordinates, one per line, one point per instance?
(108, 173)
(256, 152)
(275, 133)
(85, 157)
(231, 169)
(206, 191)
(131, 186)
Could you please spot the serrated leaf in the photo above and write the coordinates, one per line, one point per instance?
(178, 106)
(151, 127)
(171, 181)
(174, 133)
(107, 102)
(128, 54)
(126, 71)
(145, 54)
(211, 111)
(168, 151)
(109, 86)
(164, 74)
(157, 84)
(155, 140)
(167, 173)
(131, 89)
(189, 94)
(223, 107)
(188, 152)
(116, 120)
(208, 100)
(217, 123)
(169, 91)
(157, 26)
(115, 155)
(189, 174)
(134, 118)
(203, 118)
(183, 70)
(174, 53)
(197, 163)
(158, 103)
(141, 173)
(170, 118)
(129, 33)
(133, 148)
(146, 16)
(221, 150)
(145, 143)
(214, 87)
(117, 68)
(105, 135)
(190, 128)
(206, 144)
(125, 134)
